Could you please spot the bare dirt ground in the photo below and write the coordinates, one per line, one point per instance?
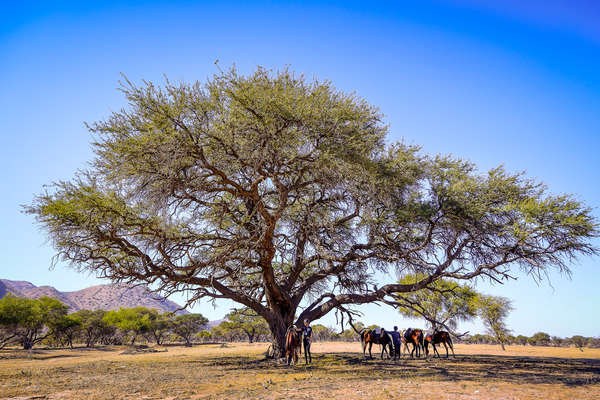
(238, 371)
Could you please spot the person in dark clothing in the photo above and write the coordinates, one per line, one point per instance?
(397, 342)
(307, 339)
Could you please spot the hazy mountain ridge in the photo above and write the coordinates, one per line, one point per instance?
(106, 297)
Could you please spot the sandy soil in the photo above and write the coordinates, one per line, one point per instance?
(338, 372)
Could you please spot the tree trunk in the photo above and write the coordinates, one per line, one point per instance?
(279, 326)
(278, 340)
(27, 343)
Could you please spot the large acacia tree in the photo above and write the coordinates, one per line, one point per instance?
(282, 194)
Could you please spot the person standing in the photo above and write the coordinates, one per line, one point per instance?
(396, 342)
(306, 340)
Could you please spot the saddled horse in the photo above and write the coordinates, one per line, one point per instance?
(414, 336)
(438, 337)
(370, 336)
(292, 345)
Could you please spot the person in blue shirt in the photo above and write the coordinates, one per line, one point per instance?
(306, 340)
(397, 342)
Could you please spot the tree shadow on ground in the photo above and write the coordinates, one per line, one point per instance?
(476, 368)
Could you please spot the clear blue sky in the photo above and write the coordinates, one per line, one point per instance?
(491, 81)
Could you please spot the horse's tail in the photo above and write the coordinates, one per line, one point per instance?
(288, 339)
(390, 341)
(362, 336)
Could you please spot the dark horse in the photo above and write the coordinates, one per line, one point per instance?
(438, 337)
(370, 336)
(414, 336)
(292, 344)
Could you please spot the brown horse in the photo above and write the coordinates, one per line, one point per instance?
(369, 336)
(414, 336)
(292, 344)
(438, 337)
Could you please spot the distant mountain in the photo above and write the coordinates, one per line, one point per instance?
(106, 297)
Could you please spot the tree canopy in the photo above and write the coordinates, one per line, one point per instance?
(493, 311)
(247, 321)
(282, 194)
(29, 321)
(443, 304)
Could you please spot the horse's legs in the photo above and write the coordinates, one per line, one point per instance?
(370, 348)
(452, 348)
(385, 350)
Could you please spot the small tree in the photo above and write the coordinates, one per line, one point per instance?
(28, 320)
(110, 334)
(246, 321)
(92, 326)
(444, 303)
(204, 336)
(160, 325)
(322, 332)
(66, 328)
(493, 310)
(188, 325)
(557, 341)
(522, 340)
(135, 321)
(540, 339)
(578, 341)
(10, 316)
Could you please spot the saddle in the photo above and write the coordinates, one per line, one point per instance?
(378, 332)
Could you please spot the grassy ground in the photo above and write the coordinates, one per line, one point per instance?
(338, 372)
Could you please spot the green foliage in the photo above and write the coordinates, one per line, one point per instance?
(522, 340)
(160, 325)
(270, 188)
(136, 321)
(443, 304)
(539, 339)
(187, 325)
(93, 326)
(322, 333)
(578, 341)
(66, 328)
(28, 321)
(247, 321)
(493, 311)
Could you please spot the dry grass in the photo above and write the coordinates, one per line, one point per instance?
(338, 372)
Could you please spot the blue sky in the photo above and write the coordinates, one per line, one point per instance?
(494, 82)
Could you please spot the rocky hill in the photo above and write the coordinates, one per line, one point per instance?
(106, 297)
